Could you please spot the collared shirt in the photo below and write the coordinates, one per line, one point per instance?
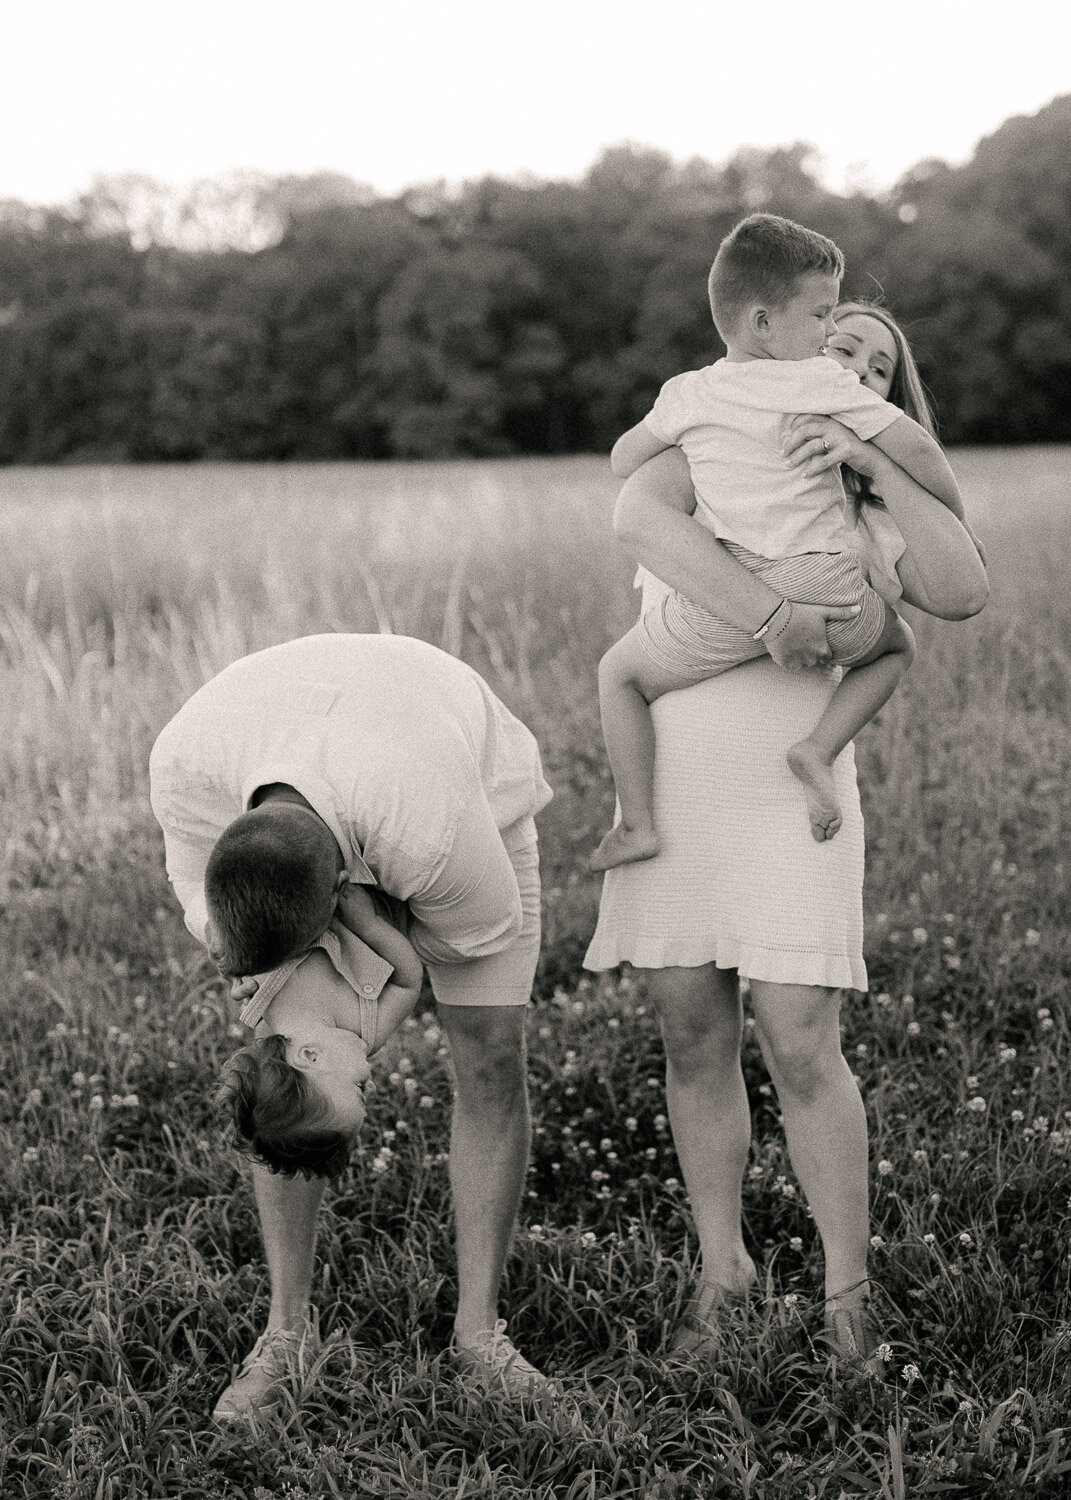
(731, 417)
(404, 752)
(364, 970)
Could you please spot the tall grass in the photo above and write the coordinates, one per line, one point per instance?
(130, 1270)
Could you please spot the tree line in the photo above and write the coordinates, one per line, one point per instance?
(263, 318)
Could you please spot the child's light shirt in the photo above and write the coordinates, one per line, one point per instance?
(731, 420)
(363, 969)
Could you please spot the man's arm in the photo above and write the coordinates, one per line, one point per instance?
(922, 458)
(633, 448)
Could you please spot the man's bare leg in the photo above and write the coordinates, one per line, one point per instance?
(288, 1208)
(489, 1146)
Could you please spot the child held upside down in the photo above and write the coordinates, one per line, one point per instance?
(773, 287)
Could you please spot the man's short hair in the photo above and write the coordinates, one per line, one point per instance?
(280, 1119)
(265, 890)
(760, 261)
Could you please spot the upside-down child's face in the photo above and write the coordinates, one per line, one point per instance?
(866, 346)
(801, 327)
(335, 1063)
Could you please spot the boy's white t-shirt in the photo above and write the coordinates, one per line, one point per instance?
(731, 419)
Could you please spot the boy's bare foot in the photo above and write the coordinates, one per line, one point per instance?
(823, 806)
(624, 846)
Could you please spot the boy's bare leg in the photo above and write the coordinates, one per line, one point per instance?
(862, 691)
(629, 682)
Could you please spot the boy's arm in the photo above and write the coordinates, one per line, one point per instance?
(399, 996)
(921, 457)
(633, 448)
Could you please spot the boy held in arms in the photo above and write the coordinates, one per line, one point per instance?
(773, 287)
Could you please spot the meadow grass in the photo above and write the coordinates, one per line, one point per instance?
(130, 1266)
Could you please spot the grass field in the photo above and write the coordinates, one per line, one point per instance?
(130, 1270)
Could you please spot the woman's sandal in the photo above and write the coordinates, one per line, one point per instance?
(853, 1337)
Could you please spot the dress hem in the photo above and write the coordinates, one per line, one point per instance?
(828, 971)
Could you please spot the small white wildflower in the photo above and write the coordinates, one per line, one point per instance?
(631, 1122)
(965, 1239)
(654, 1083)
(660, 1123)
(78, 1080)
(1044, 1013)
(613, 1023)
(1041, 1124)
(1006, 1054)
(671, 1183)
(919, 935)
(1031, 938)
(97, 1102)
(588, 1238)
(920, 1155)
(116, 1101)
(883, 999)
(1047, 1024)
(948, 941)
(876, 1242)
(884, 1168)
(884, 1352)
(411, 1086)
(911, 1373)
(795, 1243)
(929, 1239)
(861, 1049)
(977, 1105)
(130, 1101)
(651, 1153)
(535, 1231)
(426, 1102)
(30, 1155)
(606, 1144)
(379, 1165)
(792, 1300)
(913, 1028)
(33, 1099)
(1017, 1117)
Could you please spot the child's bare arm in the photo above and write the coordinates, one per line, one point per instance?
(921, 457)
(633, 448)
(399, 996)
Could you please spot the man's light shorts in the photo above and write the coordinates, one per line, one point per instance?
(690, 642)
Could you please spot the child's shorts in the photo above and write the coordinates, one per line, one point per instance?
(683, 638)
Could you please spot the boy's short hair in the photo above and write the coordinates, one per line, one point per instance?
(279, 1117)
(265, 891)
(760, 261)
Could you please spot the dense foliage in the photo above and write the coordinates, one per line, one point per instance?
(308, 318)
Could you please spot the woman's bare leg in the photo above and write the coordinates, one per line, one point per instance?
(708, 1112)
(825, 1124)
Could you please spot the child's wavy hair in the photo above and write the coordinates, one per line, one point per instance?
(280, 1119)
(907, 390)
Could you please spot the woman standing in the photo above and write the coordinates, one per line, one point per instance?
(740, 887)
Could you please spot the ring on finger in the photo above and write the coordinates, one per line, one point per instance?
(825, 445)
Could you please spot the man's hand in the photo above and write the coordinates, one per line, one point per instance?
(804, 643)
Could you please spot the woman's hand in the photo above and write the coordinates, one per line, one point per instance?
(820, 443)
(803, 642)
(243, 989)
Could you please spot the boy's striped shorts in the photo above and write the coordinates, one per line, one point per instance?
(687, 640)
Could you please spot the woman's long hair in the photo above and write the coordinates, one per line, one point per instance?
(907, 390)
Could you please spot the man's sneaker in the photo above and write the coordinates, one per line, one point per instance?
(264, 1376)
(493, 1363)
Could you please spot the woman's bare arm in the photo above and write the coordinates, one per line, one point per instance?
(654, 522)
(942, 571)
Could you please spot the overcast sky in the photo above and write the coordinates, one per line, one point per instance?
(404, 91)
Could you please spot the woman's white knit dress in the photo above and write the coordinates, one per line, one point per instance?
(739, 881)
